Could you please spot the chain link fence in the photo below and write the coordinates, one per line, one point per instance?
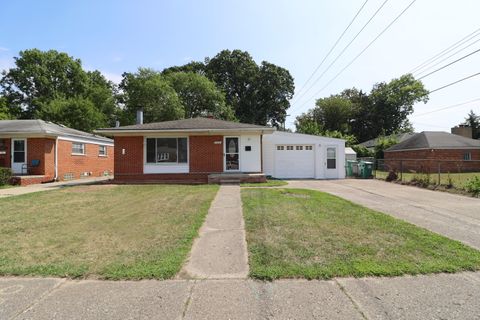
(428, 172)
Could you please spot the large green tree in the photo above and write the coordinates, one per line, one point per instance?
(56, 81)
(384, 111)
(149, 90)
(473, 120)
(199, 96)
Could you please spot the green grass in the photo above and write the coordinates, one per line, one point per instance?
(458, 180)
(103, 231)
(269, 183)
(296, 233)
(7, 186)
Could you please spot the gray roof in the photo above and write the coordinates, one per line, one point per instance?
(400, 138)
(435, 140)
(189, 124)
(45, 128)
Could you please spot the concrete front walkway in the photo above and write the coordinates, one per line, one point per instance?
(454, 216)
(443, 296)
(16, 191)
(220, 252)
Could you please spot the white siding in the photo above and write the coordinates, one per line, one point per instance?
(250, 161)
(320, 144)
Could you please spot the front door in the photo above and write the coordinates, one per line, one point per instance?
(19, 155)
(331, 163)
(232, 155)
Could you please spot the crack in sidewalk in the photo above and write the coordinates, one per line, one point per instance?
(349, 297)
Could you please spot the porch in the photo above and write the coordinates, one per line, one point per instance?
(223, 178)
(26, 180)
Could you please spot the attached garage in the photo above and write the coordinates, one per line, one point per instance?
(299, 156)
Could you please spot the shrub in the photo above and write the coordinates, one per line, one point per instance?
(422, 180)
(5, 175)
(473, 185)
(392, 176)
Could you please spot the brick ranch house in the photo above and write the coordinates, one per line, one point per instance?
(197, 150)
(38, 151)
(434, 151)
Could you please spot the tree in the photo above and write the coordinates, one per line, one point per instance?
(393, 102)
(41, 76)
(383, 143)
(258, 94)
(77, 113)
(101, 92)
(199, 96)
(149, 90)
(194, 66)
(272, 95)
(4, 112)
(473, 121)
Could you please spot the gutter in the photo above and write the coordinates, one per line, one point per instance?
(209, 131)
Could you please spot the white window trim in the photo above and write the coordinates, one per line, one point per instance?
(106, 151)
(78, 153)
(225, 154)
(165, 164)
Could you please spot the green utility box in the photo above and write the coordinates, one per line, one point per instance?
(365, 169)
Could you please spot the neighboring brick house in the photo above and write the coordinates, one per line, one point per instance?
(433, 151)
(38, 151)
(196, 150)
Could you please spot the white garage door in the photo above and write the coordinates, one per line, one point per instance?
(294, 161)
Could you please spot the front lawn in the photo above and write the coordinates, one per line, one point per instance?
(295, 233)
(269, 183)
(102, 231)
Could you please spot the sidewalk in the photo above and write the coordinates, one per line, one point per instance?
(220, 252)
(442, 296)
(16, 191)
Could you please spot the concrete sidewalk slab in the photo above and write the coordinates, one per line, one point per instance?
(442, 296)
(454, 216)
(220, 252)
(18, 294)
(225, 299)
(113, 300)
(303, 299)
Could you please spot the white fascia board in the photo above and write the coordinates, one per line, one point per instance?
(82, 140)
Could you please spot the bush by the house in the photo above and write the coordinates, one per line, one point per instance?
(5, 175)
(473, 186)
(392, 176)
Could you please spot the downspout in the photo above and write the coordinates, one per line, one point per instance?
(56, 159)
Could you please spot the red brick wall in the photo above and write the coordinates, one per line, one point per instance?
(205, 155)
(132, 161)
(451, 160)
(77, 164)
(42, 149)
(5, 158)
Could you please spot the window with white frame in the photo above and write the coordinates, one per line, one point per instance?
(308, 148)
(280, 148)
(289, 147)
(467, 156)
(102, 151)
(299, 147)
(331, 158)
(167, 150)
(78, 148)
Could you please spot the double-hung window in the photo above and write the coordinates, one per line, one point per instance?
(167, 150)
(102, 151)
(78, 148)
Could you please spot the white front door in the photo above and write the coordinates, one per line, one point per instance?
(19, 155)
(331, 170)
(232, 154)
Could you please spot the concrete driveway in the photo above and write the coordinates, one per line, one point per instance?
(454, 216)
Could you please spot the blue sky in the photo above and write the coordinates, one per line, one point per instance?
(118, 36)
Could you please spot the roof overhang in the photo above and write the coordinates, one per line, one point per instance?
(435, 148)
(126, 132)
(93, 140)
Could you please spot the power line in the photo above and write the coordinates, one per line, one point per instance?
(446, 51)
(361, 52)
(333, 47)
(455, 82)
(453, 54)
(449, 64)
(344, 49)
(447, 107)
